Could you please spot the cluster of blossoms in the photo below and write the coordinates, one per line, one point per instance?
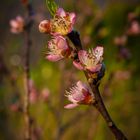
(60, 26)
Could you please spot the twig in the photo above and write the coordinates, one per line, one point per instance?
(99, 104)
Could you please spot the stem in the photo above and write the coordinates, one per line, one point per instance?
(99, 104)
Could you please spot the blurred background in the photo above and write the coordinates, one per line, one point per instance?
(112, 24)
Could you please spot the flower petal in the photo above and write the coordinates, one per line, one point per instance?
(98, 52)
(95, 68)
(70, 106)
(72, 17)
(82, 86)
(53, 58)
(60, 12)
(14, 24)
(20, 19)
(62, 44)
(70, 98)
(78, 65)
(82, 55)
(14, 30)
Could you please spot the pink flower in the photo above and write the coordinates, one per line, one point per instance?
(61, 24)
(91, 60)
(17, 25)
(79, 94)
(58, 49)
(134, 28)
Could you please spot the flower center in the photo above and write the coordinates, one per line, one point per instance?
(60, 25)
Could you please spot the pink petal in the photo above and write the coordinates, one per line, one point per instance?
(95, 68)
(82, 55)
(62, 44)
(13, 30)
(14, 24)
(50, 44)
(53, 58)
(54, 33)
(20, 19)
(78, 65)
(61, 12)
(70, 106)
(72, 17)
(135, 27)
(70, 98)
(98, 51)
(78, 96)
(82, 86)
(70, 29)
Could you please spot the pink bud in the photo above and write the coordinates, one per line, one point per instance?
(44, 26)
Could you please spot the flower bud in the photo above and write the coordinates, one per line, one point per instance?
(44, 26)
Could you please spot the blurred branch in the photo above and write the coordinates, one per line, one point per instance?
(28, 42)
(99, 104)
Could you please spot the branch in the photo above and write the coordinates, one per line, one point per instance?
(99, 104)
